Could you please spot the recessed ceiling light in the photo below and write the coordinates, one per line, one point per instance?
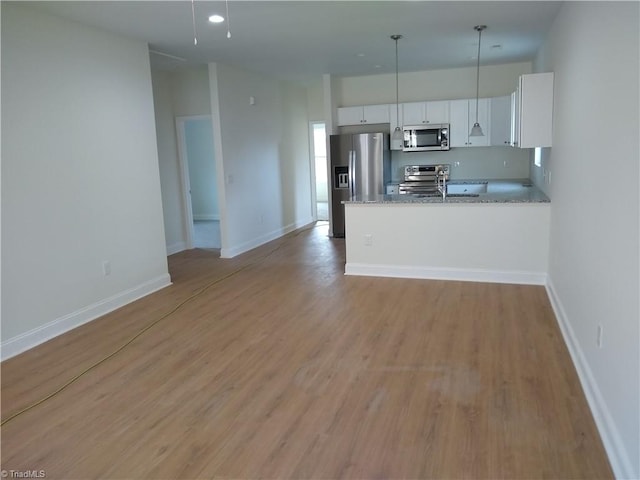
(360, 54)
(216, 18)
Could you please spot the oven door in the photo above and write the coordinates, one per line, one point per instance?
(418, 188)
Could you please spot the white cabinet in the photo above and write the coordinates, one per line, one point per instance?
(500, 120)
(350, 115)
(413, 113)
(535, 110)
(462, 115)
(363, 114)
(459, 128)
(438, 111)
(393, 114)
(418, 113)
(524, 119)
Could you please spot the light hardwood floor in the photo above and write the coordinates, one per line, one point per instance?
(289, 369)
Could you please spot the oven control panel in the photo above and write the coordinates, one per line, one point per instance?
(426, 170)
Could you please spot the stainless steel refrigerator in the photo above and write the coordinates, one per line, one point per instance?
(360, 167)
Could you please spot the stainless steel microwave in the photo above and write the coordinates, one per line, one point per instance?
(420, 138)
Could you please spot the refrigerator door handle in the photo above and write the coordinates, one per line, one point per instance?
(352, 165)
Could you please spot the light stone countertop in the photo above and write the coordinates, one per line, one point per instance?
(498, 191)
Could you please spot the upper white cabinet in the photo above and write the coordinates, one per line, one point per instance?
(500, 119)
(418, 113)
(462, 114)
(535, 110)
(395, 116)
(363, 114)
(524, 119)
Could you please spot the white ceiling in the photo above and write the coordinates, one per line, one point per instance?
(301, 40)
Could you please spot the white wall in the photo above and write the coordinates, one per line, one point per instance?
(295, 159)
(190, 91)
(447, 84)
(468, 163)
(182, 92)
(80, 179)
(265, 187)
(315, 102)
(264, 147)
(434, 241)
(593, 48)
(170, 176)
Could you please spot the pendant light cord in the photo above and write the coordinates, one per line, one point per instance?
(397, 88)
(193, 22)
(397, 129)
(228, 20)
(479, 28)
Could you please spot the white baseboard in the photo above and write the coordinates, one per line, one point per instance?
(435, 273)
(618, 457)
(205, 217)
(176, 247)
(32, 338)
(262, 239)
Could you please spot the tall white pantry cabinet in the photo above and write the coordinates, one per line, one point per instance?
(533, 111)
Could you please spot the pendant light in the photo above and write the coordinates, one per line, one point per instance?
(476, 131)
(228, 19)
(193, 22)
(397, 139)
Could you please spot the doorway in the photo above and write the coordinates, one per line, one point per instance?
(197, 159)
(319, 155)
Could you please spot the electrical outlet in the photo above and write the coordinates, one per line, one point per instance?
(368, 239)
(599, 336)
(106, 268)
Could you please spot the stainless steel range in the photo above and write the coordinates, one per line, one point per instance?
(424, 179)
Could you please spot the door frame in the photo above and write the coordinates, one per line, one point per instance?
(312, 161)
(187, 207)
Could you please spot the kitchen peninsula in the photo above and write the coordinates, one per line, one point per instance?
(498, 236)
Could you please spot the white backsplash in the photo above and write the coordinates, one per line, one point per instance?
(468, 163)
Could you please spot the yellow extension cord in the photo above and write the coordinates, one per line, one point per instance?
(145, 329)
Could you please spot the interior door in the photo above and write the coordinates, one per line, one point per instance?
(196, 152)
